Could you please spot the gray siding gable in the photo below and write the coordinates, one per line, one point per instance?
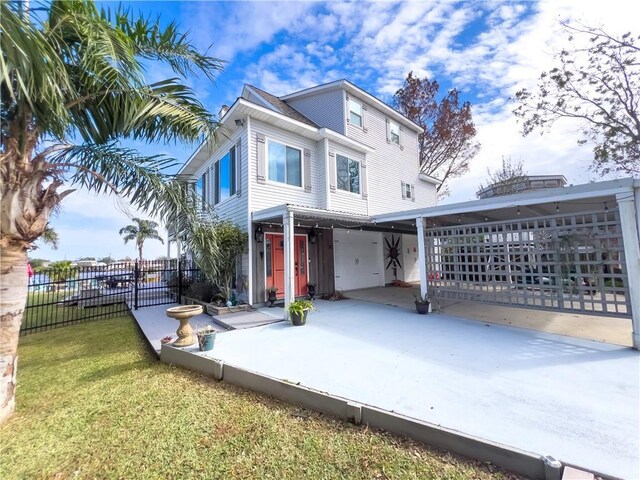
(325, 108)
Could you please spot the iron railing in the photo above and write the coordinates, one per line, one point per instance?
(65, 296)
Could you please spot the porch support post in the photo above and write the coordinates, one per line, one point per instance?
(422, 257)
(629, 226)
(289, 261)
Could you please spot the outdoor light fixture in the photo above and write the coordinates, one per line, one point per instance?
(606, 208)
(239, 122)
(518, 210)
(312, 236)
(557, 207)
(258, 234)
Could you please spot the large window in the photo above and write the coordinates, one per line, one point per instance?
(225, 172)
(285, 164)
(355, 113)
(348, 174)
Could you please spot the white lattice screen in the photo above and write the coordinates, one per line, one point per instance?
(562, 262)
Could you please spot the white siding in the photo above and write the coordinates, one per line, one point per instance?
(347, 201)
(233, 208)
(390, 165)
(271, 194)
(326, 109)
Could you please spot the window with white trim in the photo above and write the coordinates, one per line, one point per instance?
(394, 132)
(347, 174)
(355, 113)
(408, 191)
(284, 164)
(225, 176)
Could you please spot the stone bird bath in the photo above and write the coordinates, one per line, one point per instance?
(183, 313)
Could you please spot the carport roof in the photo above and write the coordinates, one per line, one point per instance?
(530, 204)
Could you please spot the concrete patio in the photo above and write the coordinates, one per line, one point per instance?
(542, 393)
(591, 327)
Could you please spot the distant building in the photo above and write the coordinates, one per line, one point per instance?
(521, 184)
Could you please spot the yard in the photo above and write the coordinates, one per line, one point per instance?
(93, 402)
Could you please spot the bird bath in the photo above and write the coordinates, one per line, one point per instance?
(183, 313)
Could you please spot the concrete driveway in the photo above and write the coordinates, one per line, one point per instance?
(548, 394)
(591, 327)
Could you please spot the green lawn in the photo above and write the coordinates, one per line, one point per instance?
(93, 402)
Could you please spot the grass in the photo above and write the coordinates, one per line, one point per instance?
(93, 402)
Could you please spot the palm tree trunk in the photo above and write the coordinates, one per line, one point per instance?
(140, 253)
(13, 286)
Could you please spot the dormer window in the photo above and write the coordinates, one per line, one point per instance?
(347, 174)
(355, 113)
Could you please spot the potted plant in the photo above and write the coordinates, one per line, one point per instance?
(422, 304)
(298, 311)
(206, 339)
(271, 295)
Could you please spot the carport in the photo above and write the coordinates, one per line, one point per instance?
(573, 249)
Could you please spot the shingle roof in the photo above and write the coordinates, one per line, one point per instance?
(283, 107)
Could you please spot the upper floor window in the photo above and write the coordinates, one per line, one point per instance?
(394, 133)
(202, 189)
(284, 164)
(408, 191)
(347, 174)
(355, 113)
(225, 174)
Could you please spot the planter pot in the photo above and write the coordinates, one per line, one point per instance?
(297, 319)
(214, 310)
(206, 341)
(272, 298)
(422, 307)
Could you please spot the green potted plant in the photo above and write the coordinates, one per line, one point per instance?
(298, 311)
(422, 304)
(271, 295)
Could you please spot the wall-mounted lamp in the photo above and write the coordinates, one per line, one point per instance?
(261, 255)
(239, 122)
(312, 236)
(258, 234)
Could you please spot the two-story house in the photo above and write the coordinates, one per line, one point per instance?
(305, 175)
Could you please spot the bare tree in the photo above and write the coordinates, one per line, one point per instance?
(600, 87)
(447, 143)
(506, 179)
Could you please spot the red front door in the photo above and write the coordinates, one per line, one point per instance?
(274, 263)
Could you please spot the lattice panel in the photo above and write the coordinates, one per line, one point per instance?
(562, 262)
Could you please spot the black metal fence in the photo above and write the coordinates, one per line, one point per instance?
(65, 296)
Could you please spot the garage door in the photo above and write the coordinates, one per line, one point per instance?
(358, 259)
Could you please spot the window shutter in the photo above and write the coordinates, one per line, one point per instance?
(348, 109)
(238, 167)
(388, 131)
(332, 171)
(233, 158)
(363, 179)
(413, 193)
(400, 142)
(404, 191)
(216, 197)
(307, 170)
(261, 156)
(364, 118)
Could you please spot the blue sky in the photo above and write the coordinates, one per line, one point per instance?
(486, 49)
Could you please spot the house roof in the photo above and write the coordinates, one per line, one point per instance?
(280, 105)
(359, 92)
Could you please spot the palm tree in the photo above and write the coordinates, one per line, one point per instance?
(72, 87)
(144, 230)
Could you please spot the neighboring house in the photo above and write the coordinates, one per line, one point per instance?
(306, 174)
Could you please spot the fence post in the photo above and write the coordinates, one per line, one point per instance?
(136, 275)
(179, 281)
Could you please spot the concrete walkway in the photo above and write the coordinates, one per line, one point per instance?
(547, 394)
